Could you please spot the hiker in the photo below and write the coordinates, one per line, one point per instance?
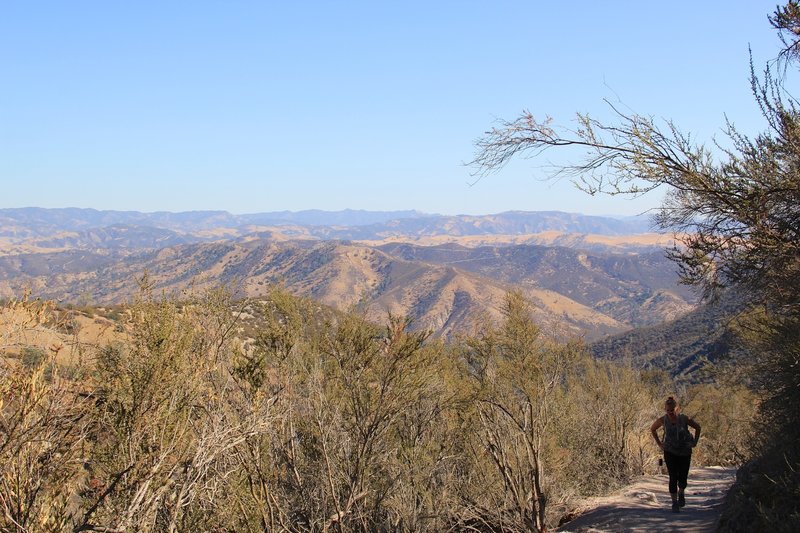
(677, 445)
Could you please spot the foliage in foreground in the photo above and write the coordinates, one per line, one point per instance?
(180, 425)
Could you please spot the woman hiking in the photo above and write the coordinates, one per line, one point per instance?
(677, 445)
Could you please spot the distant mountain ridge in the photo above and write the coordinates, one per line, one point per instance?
(45, 220)
(19, 223)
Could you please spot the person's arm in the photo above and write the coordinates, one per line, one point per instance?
(696, 426)
(654, 431)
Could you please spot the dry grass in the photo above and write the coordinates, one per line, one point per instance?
(547, 238)
(69, 335)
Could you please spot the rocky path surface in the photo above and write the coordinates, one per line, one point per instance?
(645, 506)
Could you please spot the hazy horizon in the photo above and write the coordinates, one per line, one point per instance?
(337, 211)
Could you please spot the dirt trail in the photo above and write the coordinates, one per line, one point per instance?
(645, 506)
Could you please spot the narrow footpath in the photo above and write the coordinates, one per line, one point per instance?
(645, 506)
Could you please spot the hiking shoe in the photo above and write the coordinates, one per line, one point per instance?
(675, 507)
(681, 500)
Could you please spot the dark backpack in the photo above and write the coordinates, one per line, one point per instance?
(678, 439)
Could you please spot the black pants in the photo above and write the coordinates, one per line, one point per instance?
(678, 468)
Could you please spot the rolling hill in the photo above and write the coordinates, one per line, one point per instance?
(446, 288)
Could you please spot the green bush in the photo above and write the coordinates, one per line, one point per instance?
(32, 357)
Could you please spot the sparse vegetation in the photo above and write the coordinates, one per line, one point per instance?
(215, 415)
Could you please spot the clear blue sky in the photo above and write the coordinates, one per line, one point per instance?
(265, 106)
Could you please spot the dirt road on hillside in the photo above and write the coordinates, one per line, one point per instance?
(645, 506)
